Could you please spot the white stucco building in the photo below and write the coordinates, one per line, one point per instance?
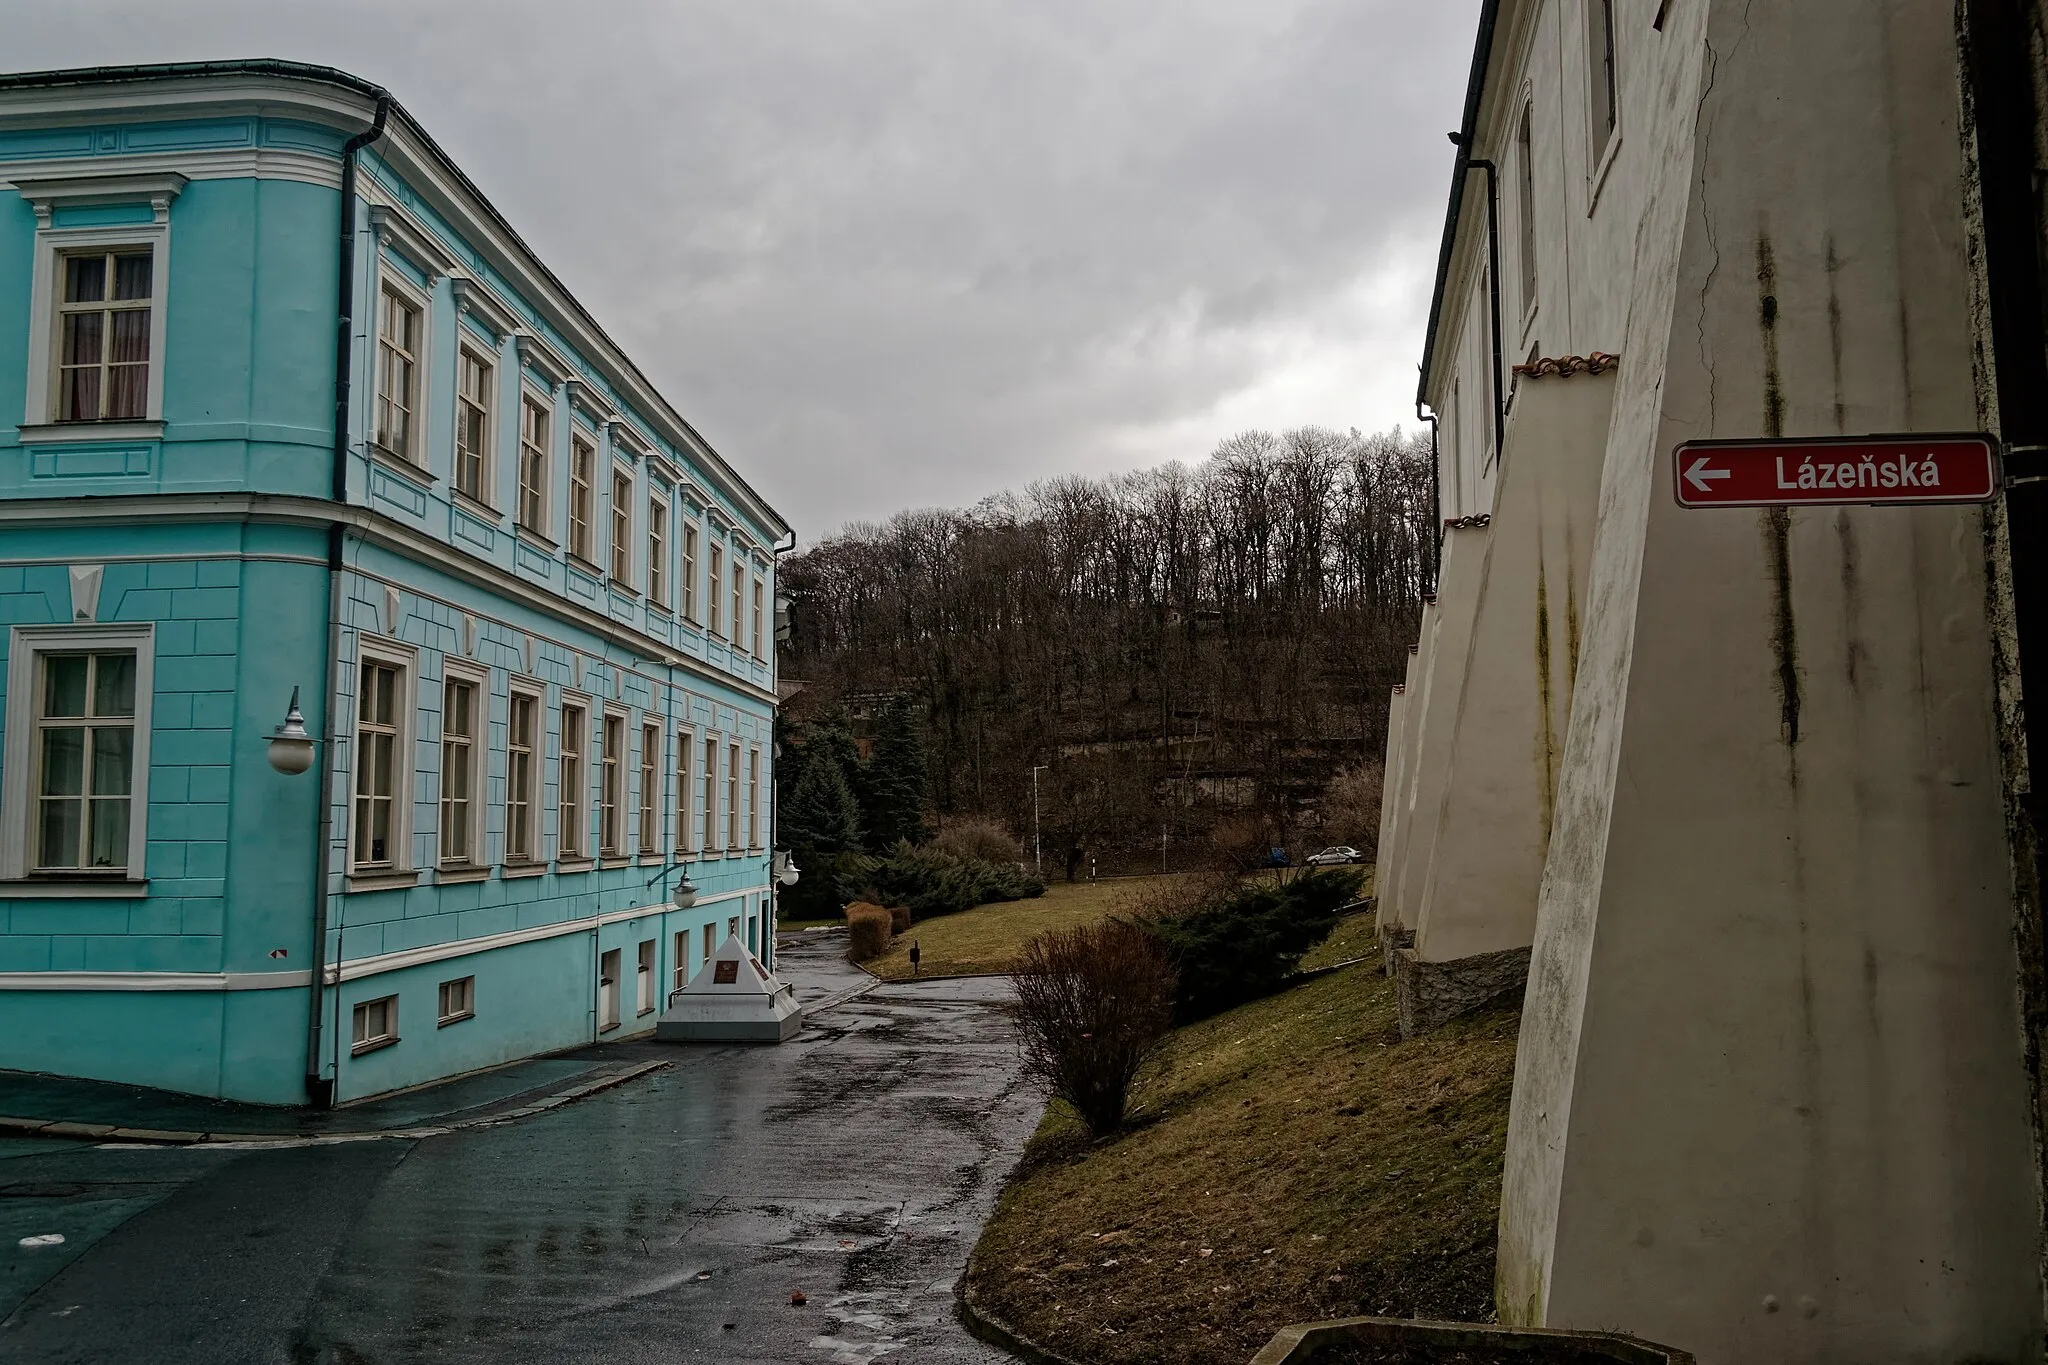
(1746, 792)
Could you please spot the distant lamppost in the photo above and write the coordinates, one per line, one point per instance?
(291, 748)
(1037, 848)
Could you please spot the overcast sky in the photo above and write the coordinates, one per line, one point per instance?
(890, 253)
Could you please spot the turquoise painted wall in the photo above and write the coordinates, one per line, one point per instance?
(239, 596)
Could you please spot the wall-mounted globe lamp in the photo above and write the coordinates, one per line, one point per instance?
(786, 871)
(291, 748)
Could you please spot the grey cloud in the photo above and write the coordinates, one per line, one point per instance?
(912, 251)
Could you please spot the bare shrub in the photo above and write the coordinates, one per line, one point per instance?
(1172, 897)
(1237, 844)
(1092, 1004)
(978, 840)
(1351, 807)
(868, 926)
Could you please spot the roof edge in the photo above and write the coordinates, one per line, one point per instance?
(1475, 94)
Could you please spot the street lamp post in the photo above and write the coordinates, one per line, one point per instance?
(1037, 848)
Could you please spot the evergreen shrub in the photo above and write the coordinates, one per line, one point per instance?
(1244, 942)
(868, 929)
(930, 881)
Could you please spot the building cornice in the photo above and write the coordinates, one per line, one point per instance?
(335, 99)
(378, 530)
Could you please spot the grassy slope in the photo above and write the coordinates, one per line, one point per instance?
(985, 938)
(1292, 1159)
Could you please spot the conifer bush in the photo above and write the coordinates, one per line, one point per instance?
(931, 882)
(1245, 941)
(868, 928)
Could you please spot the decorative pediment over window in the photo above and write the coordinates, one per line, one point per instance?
(541, 358)
(472, 299)
(46, 193)
(397, 231)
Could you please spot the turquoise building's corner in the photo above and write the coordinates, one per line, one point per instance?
(525, 607)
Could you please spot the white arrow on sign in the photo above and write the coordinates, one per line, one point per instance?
(1697, 474)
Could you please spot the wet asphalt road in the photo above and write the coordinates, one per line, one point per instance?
(665, 1220)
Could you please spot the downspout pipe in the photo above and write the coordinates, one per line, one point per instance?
(1436, 502)
(320, 1089)
(1468, 163)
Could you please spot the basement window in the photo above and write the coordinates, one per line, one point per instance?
(376, 1025)
(458, 1000)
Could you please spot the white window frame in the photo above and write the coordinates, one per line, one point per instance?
(709, 778)
(687, 597)
(648, 812)
(715, 570)
(572, 841)
(487, 361)
(39, 414)
(657, 549)
(360, 1041)
(1603, 86)
(26, 646)
(395, 283)
(739, 580)
(466, 999)
(754, 798)
(544, 405)
(582, 498)
(710, 941)
(679, 970)
(536, 769)
(620, 565)
(754, 626)
(479, 751)
(646, 963)
(1530, 276)
(732, 796)
(614, 774)
(610, 964)
(375, 649)
(686, 796)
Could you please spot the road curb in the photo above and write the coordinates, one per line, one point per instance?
(166, 1137)
(833, 1002)
(993, 1330)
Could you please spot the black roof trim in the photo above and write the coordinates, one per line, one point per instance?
(327, 75)
(1475, 92)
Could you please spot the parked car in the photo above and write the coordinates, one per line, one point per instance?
(1338, 853)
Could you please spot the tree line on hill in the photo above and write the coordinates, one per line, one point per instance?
(1193, 656)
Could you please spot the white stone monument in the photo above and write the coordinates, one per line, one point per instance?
(732, 999)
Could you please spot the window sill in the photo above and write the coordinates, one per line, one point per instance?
(611, 860)
(513, 870)
(576, 864)
(380, 881)
(374, 1045)
(456, 1018)
(73, 888)
(612, 1027)
(535, 539)
(580, 562)
(1599, 177)
(474, 506)
(456, 873)
(47, 433)
(644, 1013)
(398, 464)
(651, 859)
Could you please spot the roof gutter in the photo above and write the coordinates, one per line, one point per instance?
(1475, 91)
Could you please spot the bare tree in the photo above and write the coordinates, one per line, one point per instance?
(1092, 1004)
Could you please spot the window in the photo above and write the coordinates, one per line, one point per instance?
(575, 729)
(689, 602)
(611, 837)
(85, 761)
(739, 580)
(683, 792)
(582, 473)
(104, 334)
(713, 585)
(710, 795)
(1525, 156)
(679, 970)
(534, 422)
(732, 797)
(458, 1000)
(643, 979)
(608, 991)
(710, 941)
(382, 770)
(657, 551)
(460, 750)
(473, 426)
(753, 798)
(376, 1025)
(398, 373)
(522, 711)
(1606, 109)
(754, 626)
(650, 789)
(622, 528)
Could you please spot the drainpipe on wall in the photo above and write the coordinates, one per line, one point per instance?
(1436, 504)
(775, 762)
(320, 1089)
(1466, 163)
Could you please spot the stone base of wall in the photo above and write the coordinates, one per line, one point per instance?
(1394, 939)
(1431, 994)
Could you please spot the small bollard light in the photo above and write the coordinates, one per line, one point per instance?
(291, 748)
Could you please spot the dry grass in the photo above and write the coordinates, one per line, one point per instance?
(988, 937)
(1291, 1159)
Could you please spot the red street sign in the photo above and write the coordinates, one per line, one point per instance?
(1847, 469)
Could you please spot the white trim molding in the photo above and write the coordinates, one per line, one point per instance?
(396, 230)
(154, 981)
(52, 191)
(39, 407)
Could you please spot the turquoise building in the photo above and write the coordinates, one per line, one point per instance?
(525, 609)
